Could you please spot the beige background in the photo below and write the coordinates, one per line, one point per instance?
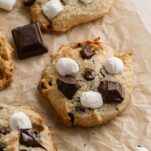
(123, 30)
(144, 10)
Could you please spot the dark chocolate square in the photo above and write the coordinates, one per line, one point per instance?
(28, 40)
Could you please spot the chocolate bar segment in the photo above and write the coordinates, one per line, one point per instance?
(29, 41)
(87, 52)
(112, 92)
(68, 86)
(30, 138)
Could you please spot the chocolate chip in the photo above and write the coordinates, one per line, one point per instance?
(87, 52)
(24, 150)
(50, 83)
(71, 116)
(89, 74)
(28, 40)
(80, 109)
(30, 138)
(112, 92)
(2, 146)
(41, 86)
(4, 130)
(28, 2)
(1, 108)
(68, 86)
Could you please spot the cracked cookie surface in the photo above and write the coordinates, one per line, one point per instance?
(74, 13)
(70, 110)
(13, 140)
(6, 66)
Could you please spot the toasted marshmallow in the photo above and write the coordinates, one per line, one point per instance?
(87, 1)
(114, 65)
(20, 120)
(52, 8)
(7, 4)
(139, 148)
(91, 99)
(67, 67)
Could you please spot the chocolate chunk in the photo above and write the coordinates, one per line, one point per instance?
(28, 41)
(4, 130)
(28, 2)
(68, 86)
(71, 116)
(2, 146)
(30, 138)
(87, 52)
(112, 92)
(89, 74)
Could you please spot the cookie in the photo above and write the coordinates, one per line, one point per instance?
(81, 86)
(6, 66)
(74, 13)
(21, 128)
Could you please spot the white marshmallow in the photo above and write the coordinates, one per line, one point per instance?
(138, 148)
(87, 1)
(52, 8)
(20, 120)
(67, 66)
(114, 65)
(7, 4)
(91, 99)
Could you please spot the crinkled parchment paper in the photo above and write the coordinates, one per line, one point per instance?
(123, 30)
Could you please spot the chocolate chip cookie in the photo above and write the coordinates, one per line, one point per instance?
(22, 129)
(74, 12)
(88, 83)
(6, 66)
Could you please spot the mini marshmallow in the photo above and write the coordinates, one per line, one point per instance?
(139, 148)
(87, 1)
(7, 4)
(67, 67)
(52, 8)
(114, 65)
(20, 120)
(91, 99)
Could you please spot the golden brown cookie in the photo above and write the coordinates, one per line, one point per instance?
(74, 13)
(68, 105)
(6, 66)
(36, 139)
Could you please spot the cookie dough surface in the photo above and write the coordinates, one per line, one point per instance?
(71, 111)
(74, 13)
(10, 141)
(6, 66)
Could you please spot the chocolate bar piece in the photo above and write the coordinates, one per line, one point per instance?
(29, 41)
(87, 52)
(112, 92)
(68, 86)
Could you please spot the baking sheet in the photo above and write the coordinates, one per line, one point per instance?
(123, 30)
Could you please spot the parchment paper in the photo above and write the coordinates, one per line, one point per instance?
(123, 30)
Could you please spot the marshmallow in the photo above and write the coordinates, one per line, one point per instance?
(7, 4)
(20, 120)
(114, 65)
(91, 99)
(139, 148)
(67, 67)
(52, 8)
(87, 1)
